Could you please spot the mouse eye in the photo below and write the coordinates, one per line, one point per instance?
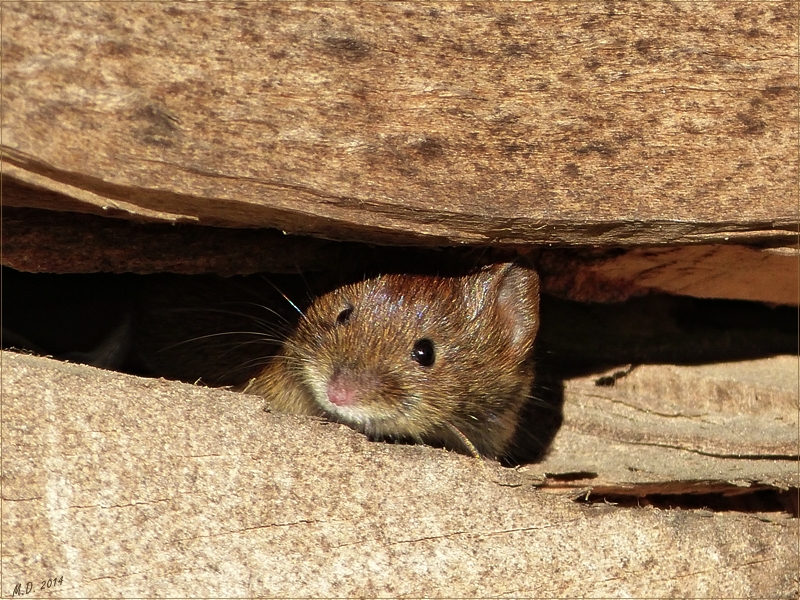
(424, 352)
(344, 316)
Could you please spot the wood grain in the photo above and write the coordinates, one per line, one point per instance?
(60, 242)
(147, 488)
(705, 271)
(600, 123)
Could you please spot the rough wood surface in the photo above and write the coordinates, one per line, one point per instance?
(43, 241)
(427, 123)
(142, 488)
(727, 422)
(704, 271)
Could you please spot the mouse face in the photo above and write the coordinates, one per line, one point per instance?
(443, 360)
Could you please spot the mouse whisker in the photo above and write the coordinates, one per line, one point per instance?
(272, 311)
(262, 338)
(541, 403)
(264, 325)
(297, 349)
(207, 309)
(285, 297)
(464, 439)
(238, 346)
(309, 294)
(291, 361)
(242, 368)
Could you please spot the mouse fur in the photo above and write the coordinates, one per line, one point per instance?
(433, 359)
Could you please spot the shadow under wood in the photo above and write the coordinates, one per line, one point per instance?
(540, 420)
(712, 496)
(582, 338)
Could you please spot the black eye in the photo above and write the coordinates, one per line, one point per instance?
(344, 316)
(423, 352)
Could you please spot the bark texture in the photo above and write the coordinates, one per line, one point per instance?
(146, 488)
(704, 271)
(412, 123)
(44, 241)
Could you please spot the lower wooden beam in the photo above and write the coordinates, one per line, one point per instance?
(121, 486)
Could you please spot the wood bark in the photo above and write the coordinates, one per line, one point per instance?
(600, 123)
(41, 241)
(45, 241)
(704, 271)
(129, 487)
(713, 422)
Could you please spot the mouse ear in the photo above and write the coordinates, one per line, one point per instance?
(515, 293)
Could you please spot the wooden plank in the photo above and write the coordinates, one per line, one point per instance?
(46, 241)
(704, 271)
(59, 242)
(141, 488)
(414, 123)
(730, 422)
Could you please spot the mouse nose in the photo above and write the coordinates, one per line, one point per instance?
(346, 388)
(341, 392)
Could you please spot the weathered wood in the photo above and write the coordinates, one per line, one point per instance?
(728, 422)
(713, 271)
(61, 242)
(43, 241)
(140, 488)
(414, 123)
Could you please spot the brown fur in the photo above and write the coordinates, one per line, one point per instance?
(482, 325)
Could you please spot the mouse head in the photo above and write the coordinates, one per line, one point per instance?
(412, 356)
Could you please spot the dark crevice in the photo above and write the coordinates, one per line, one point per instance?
(752, 500)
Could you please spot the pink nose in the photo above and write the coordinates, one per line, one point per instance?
(342, 392)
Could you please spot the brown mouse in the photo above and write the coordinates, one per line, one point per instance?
(438, 360)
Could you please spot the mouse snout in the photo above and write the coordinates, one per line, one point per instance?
(346, 388)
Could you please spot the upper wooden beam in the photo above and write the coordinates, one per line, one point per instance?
(413, 123)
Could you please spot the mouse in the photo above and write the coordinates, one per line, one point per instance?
(432, 359)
